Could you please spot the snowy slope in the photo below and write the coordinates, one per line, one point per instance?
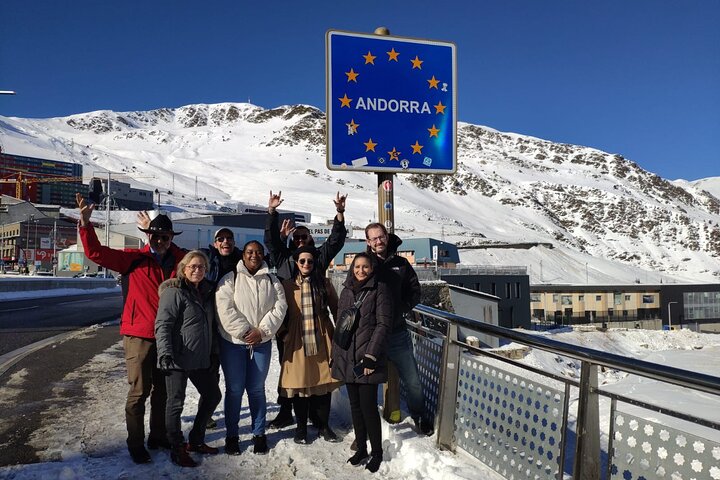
(595, 208)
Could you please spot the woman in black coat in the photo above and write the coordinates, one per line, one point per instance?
(363, 365)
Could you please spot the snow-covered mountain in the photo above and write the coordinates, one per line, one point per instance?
(600, 217)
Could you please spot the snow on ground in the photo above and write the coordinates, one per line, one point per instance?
(88, 442)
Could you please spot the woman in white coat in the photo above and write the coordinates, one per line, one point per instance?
(251, 307)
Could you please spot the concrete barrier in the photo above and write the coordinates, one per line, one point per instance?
(28, 284)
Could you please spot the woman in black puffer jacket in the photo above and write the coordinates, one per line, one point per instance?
(363, 365)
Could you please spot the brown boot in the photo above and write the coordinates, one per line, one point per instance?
(180, 456)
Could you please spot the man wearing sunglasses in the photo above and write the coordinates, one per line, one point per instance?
(281, 257)
(224, 257)
(143, 270)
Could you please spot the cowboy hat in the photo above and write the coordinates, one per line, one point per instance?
(160, 224)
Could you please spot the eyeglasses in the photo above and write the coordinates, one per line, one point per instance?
(224, 239)
(377, 239)
(194, 268)
(301, 236)
(303, 261)
(156, 236)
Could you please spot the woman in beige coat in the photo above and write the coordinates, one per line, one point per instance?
(307, 337)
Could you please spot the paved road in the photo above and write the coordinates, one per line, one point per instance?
(23, 322)
(34, 389)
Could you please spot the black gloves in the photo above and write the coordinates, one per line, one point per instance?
(368, 362)
(166, 363)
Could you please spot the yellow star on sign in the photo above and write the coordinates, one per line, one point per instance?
(394, 154)
(345, 101)
(352, 75)
(417, 148)
(369, 58)
(370, 145)
(352, 127)
(417, 63)
(433, 131)
(440, 108)
(392, 54)
(433, 83)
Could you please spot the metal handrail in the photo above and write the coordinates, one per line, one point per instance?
(677, 376)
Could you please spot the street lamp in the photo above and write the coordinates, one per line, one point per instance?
(670, 316)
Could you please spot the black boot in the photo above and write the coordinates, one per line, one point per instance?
(374, 463)
(284, 417)
(260, 446)
(232, 446)
(300, 404)
(358, 457)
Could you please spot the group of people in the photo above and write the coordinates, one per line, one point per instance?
(187, 314)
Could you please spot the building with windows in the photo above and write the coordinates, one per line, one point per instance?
(669, 305)
(50, 182)
(510, 285)
(418, 251)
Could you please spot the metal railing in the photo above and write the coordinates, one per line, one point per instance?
(515, 418)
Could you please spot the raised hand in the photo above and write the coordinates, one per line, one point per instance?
(275, 200)
(143, 220)
(85, 209)
(339, 202)
(287, 228)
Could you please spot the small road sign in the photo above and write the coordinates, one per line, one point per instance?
(391, 104)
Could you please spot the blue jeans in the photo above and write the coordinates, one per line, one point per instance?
(245, 369)
(400, 353)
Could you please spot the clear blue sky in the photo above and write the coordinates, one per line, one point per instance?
(640, 78)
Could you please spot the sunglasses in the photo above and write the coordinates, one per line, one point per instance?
(301, 236)
(303, 261)
(224, 239)
(164, 238)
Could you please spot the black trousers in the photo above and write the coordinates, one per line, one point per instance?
(365, 416)
(207, 386)
(314, 406)
(284, 402)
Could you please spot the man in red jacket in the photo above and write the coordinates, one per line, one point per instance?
(145, 269)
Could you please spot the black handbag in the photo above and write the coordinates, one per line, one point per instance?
(347, 322)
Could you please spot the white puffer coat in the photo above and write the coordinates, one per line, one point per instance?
(249, 301)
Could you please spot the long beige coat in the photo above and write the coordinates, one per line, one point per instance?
(300, 374)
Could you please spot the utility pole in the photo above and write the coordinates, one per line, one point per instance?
(54, 240)
(107, 212)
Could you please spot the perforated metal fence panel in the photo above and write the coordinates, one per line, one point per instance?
(510, 423)
(643, 450)
(428, 350)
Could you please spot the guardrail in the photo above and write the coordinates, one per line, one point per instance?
(517, 419)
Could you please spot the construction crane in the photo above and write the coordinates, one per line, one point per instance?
(21, 180)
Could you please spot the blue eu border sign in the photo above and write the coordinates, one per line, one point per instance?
(391, 104)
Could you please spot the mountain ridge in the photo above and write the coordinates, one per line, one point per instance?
(508, 187)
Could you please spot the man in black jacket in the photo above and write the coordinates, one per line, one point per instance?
(400, 276)
(280, 255)
(224, 257)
